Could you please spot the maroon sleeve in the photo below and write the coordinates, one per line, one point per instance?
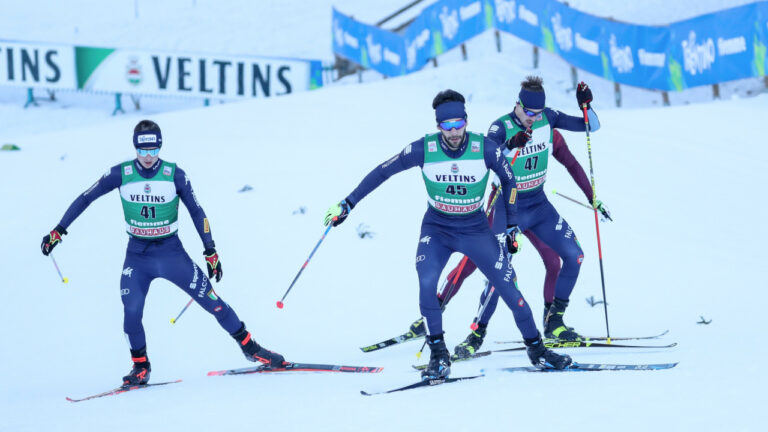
(563, 155)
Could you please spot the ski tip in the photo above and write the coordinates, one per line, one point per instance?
(70, 399)
(216, 373)
(364, 393)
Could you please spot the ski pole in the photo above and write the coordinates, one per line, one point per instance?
(463, 263)
(173, 320)
(280, 302)
(597, 224)
(63, 279)
(572, 199)
(480, 312)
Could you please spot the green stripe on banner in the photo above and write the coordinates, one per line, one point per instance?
(87, 59)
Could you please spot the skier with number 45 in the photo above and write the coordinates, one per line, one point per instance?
(455, 165)
(529, 135)
(150, 189)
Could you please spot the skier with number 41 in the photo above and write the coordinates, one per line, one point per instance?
(150, 189)
(455, 165)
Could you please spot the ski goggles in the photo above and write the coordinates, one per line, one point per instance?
(529, 113)
(452, 124)
(150, 152)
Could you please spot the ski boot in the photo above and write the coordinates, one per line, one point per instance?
(554, 327)
(544, 358)
(139, 374)
(439, 365)
(255, 352)
(471, 344)
(417, 329)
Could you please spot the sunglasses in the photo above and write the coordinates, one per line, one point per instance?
(454, 124)
(528, 112)
(150, 152)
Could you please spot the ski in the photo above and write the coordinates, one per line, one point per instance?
(424, 383)
(455, 359)
(297, 367)
(598, 338)
(587, 344)
(122, 389)
(593, 367)
(405, 337)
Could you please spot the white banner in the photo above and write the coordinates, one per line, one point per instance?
(214, 76)
(30, 64)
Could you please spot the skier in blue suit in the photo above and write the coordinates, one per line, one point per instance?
(455, 164)
(150, 189)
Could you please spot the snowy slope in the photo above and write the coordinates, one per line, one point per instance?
(686, 241)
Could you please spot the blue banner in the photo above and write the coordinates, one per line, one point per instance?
(713, 48)
(369, 45)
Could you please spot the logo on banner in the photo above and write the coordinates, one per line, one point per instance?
(450, 22)
(697, 57)
(133, 71)
(621, 57)
(505, 11)
(374, 50)
(563, 35)
(414, 45)
(470, 11)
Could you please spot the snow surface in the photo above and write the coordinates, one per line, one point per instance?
(686, 242)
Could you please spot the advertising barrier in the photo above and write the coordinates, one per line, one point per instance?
(147, 72)
(705, 50)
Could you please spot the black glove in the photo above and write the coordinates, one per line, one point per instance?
(583, 94)
(51, 240)
(337, 213)
(512, 245)
(519, 140)
(214, 265)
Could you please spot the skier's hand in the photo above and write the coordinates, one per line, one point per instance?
(52, 239)
(519, 140)
(337, 213)
(583, 94)
(603, 210)
(511, 238)
(213, 264)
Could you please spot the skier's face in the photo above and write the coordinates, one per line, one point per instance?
(148, 157)
(453, 131)
(527, 116)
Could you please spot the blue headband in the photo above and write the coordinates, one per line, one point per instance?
(449, 110)
(532, 99)
(147, 139)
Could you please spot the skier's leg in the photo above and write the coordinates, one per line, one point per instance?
(490, 255)
(431, 257)
(179, 268)
(184, 273)
(134, 285)
(551, 267)
(555, 232)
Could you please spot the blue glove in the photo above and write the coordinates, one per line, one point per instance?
(603, 210)
(511, 238)
(337, 213)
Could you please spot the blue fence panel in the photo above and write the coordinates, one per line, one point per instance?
(723, 46)
(713, 48)
(453, 22)
(419, 43)
(368, 45)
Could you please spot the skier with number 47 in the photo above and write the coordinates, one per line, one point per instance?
(455, 164)
(150, 189)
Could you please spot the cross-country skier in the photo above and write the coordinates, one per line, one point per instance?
(455, 164)
(150, 189)
(529, 134)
